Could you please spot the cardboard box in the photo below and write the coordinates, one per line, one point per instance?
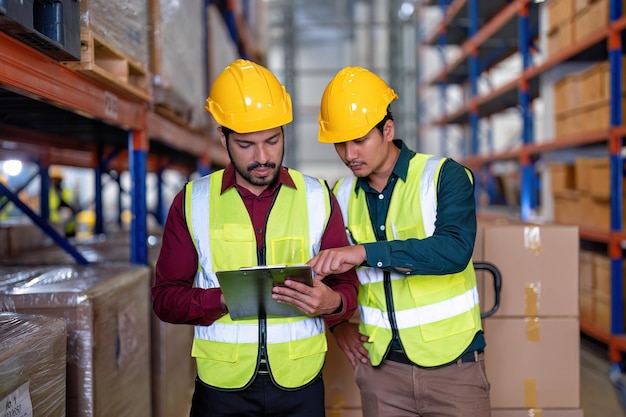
(344, 412)
(173, 369)
(559, 11)
(539, 268)
(533, 362)
(341, 392)
(107, 311)
(562, 177)
(538, 412)
(32, 365)
(586, 306)
(568, 207)
(585, 270)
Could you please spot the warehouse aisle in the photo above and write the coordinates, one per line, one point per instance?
(598, 397)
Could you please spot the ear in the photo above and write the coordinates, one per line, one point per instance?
(221, 135)
(389, 130)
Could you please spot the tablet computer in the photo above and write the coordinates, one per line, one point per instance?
(248, 291)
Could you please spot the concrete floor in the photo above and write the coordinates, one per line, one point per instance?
(598, 396)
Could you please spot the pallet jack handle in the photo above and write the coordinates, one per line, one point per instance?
(497, 285)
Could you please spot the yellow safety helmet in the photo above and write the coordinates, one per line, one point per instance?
(353, 103)
(246, 97)
(55, 172)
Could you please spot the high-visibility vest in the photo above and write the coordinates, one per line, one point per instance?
(436, 316)
(227, 351)
(54, 203)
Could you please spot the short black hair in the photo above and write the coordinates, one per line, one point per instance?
(389, 116)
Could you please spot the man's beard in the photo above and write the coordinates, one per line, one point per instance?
(246, 172)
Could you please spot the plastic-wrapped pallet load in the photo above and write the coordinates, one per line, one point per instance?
(107, 311)
(178, 56)
(32, 365)
(122, 23)
(173, 368)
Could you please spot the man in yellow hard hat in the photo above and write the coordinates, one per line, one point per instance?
(418, 349)
(254, 212)
(62, 210)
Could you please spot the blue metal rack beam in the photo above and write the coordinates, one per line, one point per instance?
(616, 163)
(529, 180)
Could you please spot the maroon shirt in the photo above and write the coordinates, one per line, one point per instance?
(176, 300)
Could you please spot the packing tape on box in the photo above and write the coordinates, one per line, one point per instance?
(532, 239)
(533, 334)
(532, 329)
(533, 293)
(530, 392)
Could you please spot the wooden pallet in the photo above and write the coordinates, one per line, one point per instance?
(111, 67)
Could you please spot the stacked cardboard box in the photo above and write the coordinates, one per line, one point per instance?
(581, 192)
(342, 396)
(560, 25)
(19, 235)
(32, 365)
(532, 355)
(108, 341)
(177, 51)
(596, 291)
(582, 100)
(173, 368)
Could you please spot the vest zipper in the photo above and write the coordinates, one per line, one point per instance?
(261, 259)
(395, 335)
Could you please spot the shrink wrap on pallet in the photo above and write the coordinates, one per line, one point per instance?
(107, 310)
(32, 365)
(122, 23)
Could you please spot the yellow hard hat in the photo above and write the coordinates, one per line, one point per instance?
(55, 172)
(246, 98)
(353, 103)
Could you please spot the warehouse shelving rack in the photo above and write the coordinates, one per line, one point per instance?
(602, 44)
(55, 115)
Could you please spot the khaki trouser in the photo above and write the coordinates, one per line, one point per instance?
(399, 390)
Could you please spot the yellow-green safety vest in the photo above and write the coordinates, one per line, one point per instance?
(227, 351)
(437, 316)
(54, 203)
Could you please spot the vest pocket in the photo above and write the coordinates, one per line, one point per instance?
(291, 248)
(234, 244)
(308, 347)
(406, 233)
(223, 352)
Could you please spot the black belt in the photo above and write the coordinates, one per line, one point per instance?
(400, 356)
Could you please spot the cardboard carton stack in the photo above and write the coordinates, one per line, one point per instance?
(533, 346)
(342, 395)
(106, 310)
(32, 365)
(581, 192)
(177, 50)
(173, 368)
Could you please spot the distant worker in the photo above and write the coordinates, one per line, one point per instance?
(60, 199)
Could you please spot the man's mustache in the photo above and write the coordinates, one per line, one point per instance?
(256, 165)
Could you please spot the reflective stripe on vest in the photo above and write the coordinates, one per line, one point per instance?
(226, 351)
(437, 316)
